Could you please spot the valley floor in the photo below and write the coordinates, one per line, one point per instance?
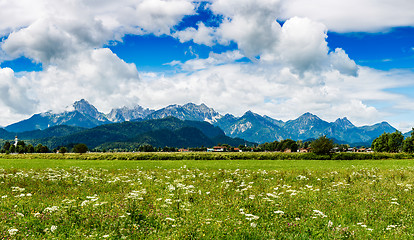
(195, 199)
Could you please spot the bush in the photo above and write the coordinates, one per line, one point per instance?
(80, 148)
(322, 145)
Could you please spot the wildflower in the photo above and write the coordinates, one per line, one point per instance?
(51, 209)
(253, 224)
(251, 217)
(330, 224)
(13, 231)
(170, 219)
(53, 228)
(395, 203)
(272, 195)
(279, 212)
(319, 214)
(20, 214)
(18, 189)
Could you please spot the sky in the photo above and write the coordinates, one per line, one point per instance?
(279, 58)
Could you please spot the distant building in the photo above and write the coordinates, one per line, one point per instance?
(217, 149)
(16, 140)
(237, 150)
(183, 150)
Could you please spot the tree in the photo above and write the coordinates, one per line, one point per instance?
(20, 149)
(12, 149)
(80, 148)
(63, 150)
(380, 144)
(146, 148)
(395, 141)
(41, 149)
(288, 144)
(408, 144)
(388, 142)
(6, 146)
(322, 145)
(30, 148)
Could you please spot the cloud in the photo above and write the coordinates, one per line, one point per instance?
(251, 24)
(214, 59)
(280, 93)
(303, 45)
(49, 39)
(56, 28)
(97, 75)
(202, 35)
(292, 70)
(341, 61)
(352, 15)
(15, 95)
(300, 43)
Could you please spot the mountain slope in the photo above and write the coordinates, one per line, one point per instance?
(169, 131)
(251, 127)
(126, 114)
(84, 115)
(189, 111)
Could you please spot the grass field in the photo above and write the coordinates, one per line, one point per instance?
(189, 199)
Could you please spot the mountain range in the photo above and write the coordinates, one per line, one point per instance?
(169, 131)
(251, 126)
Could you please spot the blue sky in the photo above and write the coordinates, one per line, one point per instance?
(279, 58)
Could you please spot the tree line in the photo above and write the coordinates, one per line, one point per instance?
(22, 148)
(393, 143)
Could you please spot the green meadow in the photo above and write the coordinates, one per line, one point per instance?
(68, 198)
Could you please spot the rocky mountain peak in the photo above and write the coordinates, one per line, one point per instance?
(85, 107)
(344, 123)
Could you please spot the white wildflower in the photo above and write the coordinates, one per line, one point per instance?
(300, 177)
(171, 188)
(18, 189)
(51, 209)
(330, 224)
(53, 228)
(279, 212)
(253, 224)
(170, 219)
(13, 231)
(251, 217)
(20, 214)
(319, 214)
(272, 195)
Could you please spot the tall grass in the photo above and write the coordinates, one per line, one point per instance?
(206, 204)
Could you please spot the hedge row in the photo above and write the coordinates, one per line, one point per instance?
(212, 156)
